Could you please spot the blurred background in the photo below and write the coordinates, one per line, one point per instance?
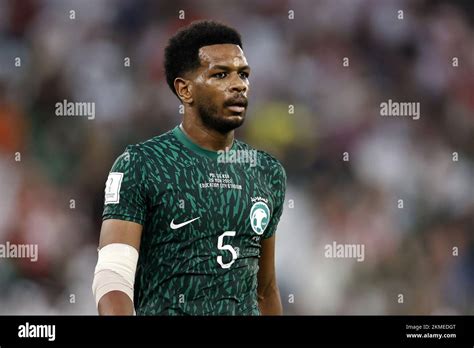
(53, 195)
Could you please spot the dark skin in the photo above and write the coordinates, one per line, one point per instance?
(214, 98)
(222, 77)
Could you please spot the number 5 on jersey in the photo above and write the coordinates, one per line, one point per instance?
(228, 247)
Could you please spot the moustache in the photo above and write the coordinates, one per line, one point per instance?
(239, 101)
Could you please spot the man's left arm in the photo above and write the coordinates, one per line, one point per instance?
(269, 301)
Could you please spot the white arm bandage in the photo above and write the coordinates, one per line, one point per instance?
(115, 270)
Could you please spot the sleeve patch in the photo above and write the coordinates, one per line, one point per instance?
(112, 188)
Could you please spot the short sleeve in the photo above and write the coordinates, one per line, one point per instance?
(279, 187)
(126, 188)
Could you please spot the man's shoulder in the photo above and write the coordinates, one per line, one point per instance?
(159, 146)
(264, 159)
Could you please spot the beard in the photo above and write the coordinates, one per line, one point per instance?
(211, 119)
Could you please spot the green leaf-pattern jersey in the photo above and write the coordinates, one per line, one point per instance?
(197, 267)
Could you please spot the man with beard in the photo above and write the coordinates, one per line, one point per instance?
(185, 232)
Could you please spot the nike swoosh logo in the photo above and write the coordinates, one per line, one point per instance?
(176, 226)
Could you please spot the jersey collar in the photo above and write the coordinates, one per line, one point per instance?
(184, 139)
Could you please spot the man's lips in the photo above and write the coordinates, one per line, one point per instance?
(236, 108)
(237, 105)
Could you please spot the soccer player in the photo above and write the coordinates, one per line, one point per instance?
(190, 215)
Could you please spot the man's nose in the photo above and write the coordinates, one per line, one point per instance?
(237, 84)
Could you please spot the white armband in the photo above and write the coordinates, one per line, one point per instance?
(115, 270)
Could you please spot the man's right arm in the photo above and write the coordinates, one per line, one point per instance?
(125, 235)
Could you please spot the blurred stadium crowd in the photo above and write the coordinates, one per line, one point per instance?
(53, 196)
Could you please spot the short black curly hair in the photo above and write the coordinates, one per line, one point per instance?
(182, 51)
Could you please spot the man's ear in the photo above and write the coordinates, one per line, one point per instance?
(184, 89)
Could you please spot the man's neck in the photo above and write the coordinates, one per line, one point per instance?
(206, 138)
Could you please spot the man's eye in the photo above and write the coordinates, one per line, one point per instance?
(244, 75)
(220, 75)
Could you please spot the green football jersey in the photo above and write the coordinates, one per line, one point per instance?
(204, 214)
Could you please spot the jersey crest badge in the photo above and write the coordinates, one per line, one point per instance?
(259, 217)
